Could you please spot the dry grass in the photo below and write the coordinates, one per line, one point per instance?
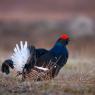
(76, 78)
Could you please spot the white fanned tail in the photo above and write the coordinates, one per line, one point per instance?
(20, 56)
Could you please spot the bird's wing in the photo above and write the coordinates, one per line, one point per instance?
(42, 68)
(40, 52)
(20, 55)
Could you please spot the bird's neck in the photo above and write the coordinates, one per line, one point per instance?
(58, 47)
(58, 44)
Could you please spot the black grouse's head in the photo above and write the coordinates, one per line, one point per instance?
(6, 66)
(64, 39)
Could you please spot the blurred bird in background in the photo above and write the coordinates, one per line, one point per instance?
(27, 58)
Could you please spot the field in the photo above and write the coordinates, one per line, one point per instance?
(76, 78)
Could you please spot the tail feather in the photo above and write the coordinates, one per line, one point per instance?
(21, 43)
(20, 55)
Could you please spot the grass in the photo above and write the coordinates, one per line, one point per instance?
(76, 78)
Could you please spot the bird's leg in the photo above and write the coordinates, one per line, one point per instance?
(55, 70)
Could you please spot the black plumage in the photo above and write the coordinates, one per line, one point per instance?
(53, 59)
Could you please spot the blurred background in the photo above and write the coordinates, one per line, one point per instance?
(41, 22)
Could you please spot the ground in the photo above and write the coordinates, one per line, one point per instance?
(76, 78)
